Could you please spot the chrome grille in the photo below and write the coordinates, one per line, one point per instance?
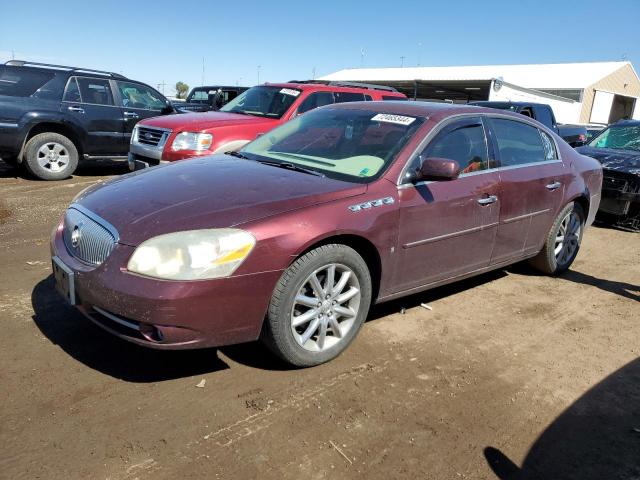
(151, 136)
(86, 238)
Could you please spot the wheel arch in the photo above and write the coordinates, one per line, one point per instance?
(52, 127)
(364, 247)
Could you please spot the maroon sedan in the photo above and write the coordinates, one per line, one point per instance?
(294, 237)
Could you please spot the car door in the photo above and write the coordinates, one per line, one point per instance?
(90, 103)
(532, 180)
(137, 102)
(447, 228)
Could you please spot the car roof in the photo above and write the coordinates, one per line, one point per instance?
(332, 87)
(62, 69)
(628, 123)
(419, 108)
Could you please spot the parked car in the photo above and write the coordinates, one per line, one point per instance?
(251, 114)
(52, 116)
(204, 99)
(618, 149)
(292, 238)
(574, 135)
(593, 130)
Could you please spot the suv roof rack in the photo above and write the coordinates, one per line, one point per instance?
(24, 63)
(368, 86)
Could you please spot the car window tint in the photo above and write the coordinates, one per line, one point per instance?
(393, 98)
(22, 82)
(549, 147)
(134, 95)
(200, 95)
(466, 144)
(315, 100)
(342, 97)
(518, 143)
(72, 92)
(95, 91)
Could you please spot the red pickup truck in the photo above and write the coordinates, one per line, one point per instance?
(251, 114)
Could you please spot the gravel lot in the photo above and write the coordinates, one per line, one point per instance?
(510, 376)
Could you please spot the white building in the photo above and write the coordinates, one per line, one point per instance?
(596, 92)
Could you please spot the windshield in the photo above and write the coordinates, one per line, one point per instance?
(620, 137)
(345, 144)
(263, 101)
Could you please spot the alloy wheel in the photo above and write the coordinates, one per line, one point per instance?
(53, 156)
(568, 238)
(325, 307)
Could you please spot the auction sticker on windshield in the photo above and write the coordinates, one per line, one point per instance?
(289, 91)
(399, 119)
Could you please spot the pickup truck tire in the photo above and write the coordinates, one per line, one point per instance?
(563, 241)
(318, 306)
(50, 156)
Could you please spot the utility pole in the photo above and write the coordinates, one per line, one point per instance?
(313, 73)
(161, 86)
(13, 55)
(362, 53)
(259, 74)
(419, 52)
(402, 61)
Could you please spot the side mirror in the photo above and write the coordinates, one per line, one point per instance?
(435, 168)
(168, 107)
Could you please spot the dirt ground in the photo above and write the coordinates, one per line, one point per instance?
(511, 375)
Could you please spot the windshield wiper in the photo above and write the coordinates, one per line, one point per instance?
(237, 155)
(292, 166)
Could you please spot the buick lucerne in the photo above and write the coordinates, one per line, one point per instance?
(292, 238)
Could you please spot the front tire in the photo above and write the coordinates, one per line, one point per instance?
(318, 306)
(563, 241)
(50, 156)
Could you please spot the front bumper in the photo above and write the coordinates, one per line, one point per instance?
(168, 314)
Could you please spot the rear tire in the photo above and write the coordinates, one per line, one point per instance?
(318, 306)
(563, 241)
(50, 156)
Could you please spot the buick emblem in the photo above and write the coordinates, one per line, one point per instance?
(147, 136)
(75, 236)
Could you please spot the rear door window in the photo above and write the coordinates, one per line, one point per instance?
(518, 143)
(72, 92)
(95, 91)
(22, 82)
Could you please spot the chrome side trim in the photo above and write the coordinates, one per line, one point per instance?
(526, 215)
(449, 235)
(116, 319)
(8, 125)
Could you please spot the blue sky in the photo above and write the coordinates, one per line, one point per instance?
(164, 41)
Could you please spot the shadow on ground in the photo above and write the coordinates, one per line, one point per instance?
(85, 169)
(596, 438)
(64, 326)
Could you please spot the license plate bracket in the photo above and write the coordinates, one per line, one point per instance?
(65, 280)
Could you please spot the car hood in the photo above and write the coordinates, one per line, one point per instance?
(611, 159)
(210, 192)
(198, 121)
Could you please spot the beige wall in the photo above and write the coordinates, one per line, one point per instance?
(614, 83)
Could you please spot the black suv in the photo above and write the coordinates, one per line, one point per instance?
(52, 115)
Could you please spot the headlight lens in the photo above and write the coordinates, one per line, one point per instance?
(192, 141)
(192, 255)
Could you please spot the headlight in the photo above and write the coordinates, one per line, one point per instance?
(192, 255)
(192, 141)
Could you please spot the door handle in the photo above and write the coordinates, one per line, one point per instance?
(131, 115)
(553, 186)
(75, 109)
(488, 200)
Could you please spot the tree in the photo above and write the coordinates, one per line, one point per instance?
(181, 90)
